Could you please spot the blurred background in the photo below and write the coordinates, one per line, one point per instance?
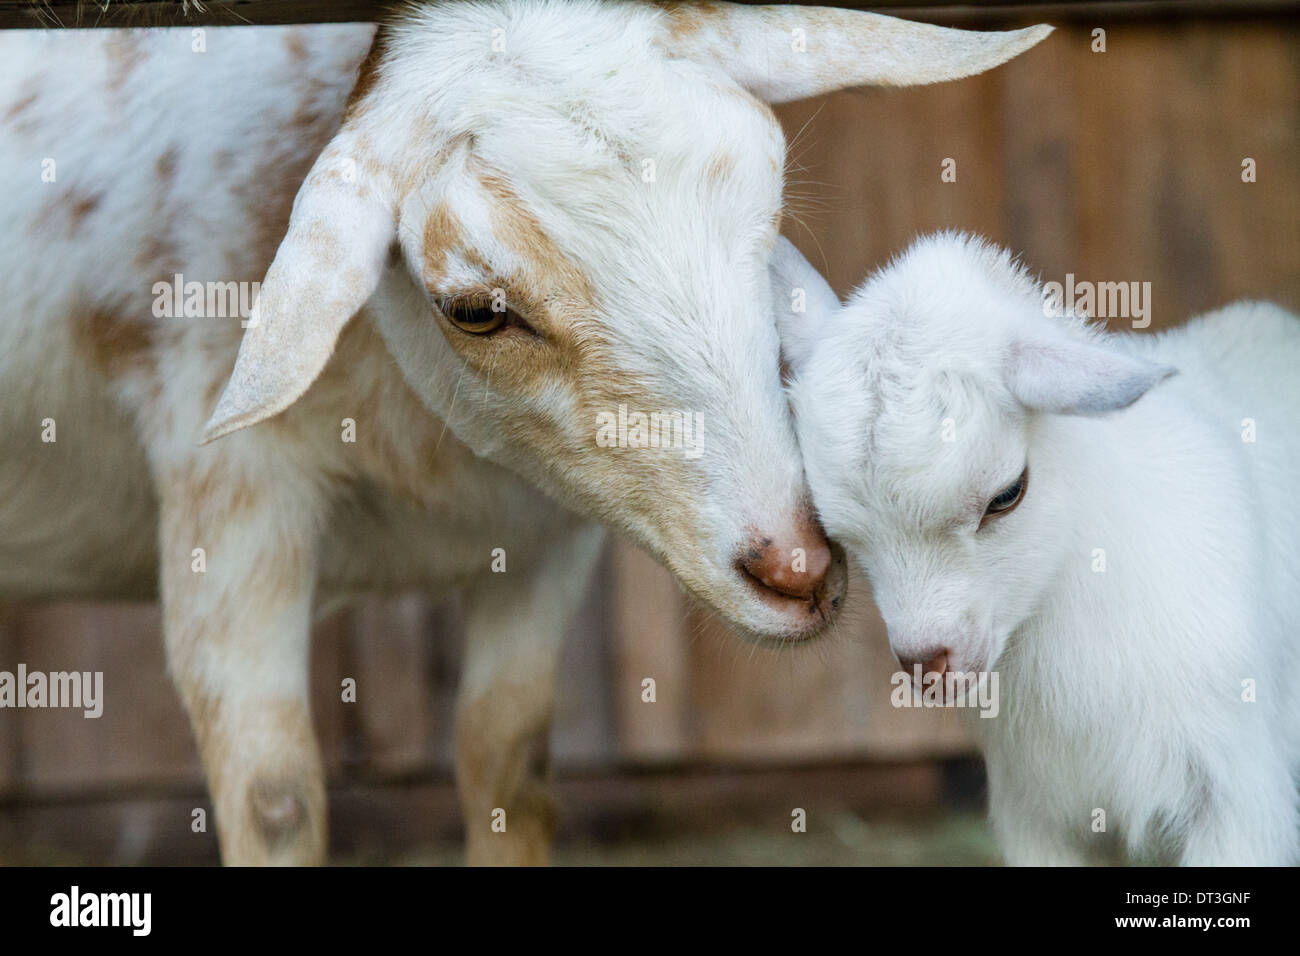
(1122, 165)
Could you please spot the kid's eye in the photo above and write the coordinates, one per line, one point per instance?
(1006, 500)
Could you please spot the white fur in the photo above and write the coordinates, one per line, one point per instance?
(1122, 689)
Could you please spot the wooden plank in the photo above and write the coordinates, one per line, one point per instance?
(1161, 198)
(391, 648)
(21, 14)
(651, 642)
(875, 157)
(142, 735)
(331, 660)
(584, 729)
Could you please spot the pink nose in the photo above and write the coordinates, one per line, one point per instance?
(931, 661)
(793, 564)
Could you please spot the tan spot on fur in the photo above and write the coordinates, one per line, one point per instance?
(399, 445)
(113, 343)
(518, 229)
(165, 167)
(159, 252)
(124, 55)
(212, 392)
(267, 192)
(720, 168)
(296, 45)
(19, 107)
(158, 256)
(367, 76)
(503, 760)
(216, 491)
(686, 20)
(81, 208)
(442, 234)
(65, 213)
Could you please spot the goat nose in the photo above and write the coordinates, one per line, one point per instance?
(794, 565)
(931, 661)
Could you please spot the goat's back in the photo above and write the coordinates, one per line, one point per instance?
(133, 157)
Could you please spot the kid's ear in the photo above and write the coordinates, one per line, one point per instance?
(1078, 378)
(802, 301)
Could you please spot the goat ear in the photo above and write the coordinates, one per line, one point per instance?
(1077, 378)
(783, 53)
(801, 301)
(326, 268)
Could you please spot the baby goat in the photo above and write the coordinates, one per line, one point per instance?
(1130, 568)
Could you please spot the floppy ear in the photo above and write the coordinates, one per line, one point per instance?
(1078, 378)
(782, 53)
(802, 301)
(327, 266)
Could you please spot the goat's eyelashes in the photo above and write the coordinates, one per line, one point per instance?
(481, 316)
(1008, 499)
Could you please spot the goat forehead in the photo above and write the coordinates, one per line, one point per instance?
(574, 72)
(907, 445)
(648, 172)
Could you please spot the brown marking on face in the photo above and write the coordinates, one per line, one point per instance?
(223, 160)
(577, 352)
(549, 269)
(442, 235)
(114, 343)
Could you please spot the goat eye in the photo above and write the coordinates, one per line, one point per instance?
(1008, 498)
(477, 316)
